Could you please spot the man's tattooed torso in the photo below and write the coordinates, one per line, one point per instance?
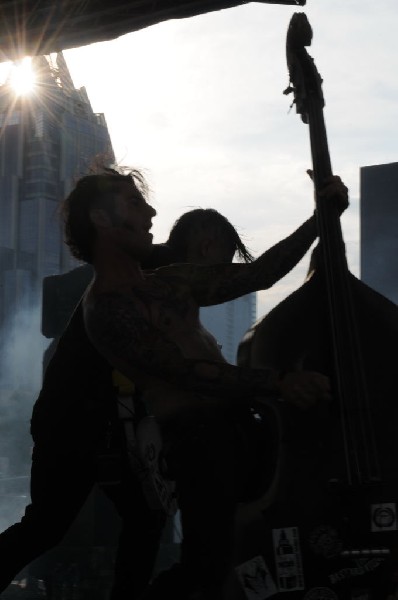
(172, 310)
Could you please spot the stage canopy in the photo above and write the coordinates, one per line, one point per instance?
(37, 27)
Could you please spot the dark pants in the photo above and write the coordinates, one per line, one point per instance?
(61, 480)
(217, 461)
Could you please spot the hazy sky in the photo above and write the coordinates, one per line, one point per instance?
(198, 104)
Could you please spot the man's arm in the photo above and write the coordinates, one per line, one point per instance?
(220, 283)
(215, 284)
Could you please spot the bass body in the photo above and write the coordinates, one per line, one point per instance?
(327, 529)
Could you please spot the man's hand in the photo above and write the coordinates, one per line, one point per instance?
(333, 190)
(304, 388)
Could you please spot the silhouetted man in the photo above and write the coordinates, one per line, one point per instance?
(146, 325)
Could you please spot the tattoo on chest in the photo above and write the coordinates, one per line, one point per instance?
(169, 296)
(117, 321)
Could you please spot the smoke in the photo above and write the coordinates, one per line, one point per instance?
(21, 352)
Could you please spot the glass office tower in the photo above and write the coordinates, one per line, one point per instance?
(379, 226)
(48, 139)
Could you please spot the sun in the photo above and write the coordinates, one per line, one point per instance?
(22, 77)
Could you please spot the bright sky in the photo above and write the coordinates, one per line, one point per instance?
(198, 104)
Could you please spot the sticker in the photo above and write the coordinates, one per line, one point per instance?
(288, 561)
(384, 516)
(363, 567)
(255, 579)
(360, 595)
(325, 541)
(321, 593)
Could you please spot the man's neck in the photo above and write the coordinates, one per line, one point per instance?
(116, 269)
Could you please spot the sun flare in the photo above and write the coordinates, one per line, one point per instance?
(22, 77)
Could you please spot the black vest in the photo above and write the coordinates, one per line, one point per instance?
(77, 399)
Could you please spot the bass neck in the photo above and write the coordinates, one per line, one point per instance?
(348, 377)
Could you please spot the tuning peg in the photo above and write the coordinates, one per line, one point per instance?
(288, 90)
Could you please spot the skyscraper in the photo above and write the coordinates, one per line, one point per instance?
(379, 228)
(229, 322)
(48, 139)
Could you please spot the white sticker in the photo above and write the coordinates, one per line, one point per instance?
(255, 579)
(384, 516)
(288, 561)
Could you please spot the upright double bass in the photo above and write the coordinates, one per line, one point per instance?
(330, 528)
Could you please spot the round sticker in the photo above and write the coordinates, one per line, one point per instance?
(325, 541)
(321, 593)
(383, 517)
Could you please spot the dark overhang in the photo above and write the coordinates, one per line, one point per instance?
(29, 27)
